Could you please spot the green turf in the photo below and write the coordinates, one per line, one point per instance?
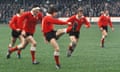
(88, 56)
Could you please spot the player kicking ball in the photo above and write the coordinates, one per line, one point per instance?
(74, 30)
(50, 34)
(103, 23)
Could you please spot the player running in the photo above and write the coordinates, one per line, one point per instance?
(74, 30)
(16, 30)
(29, 19)
(50, 34)
(103, 23)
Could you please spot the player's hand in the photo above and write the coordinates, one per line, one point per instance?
(69, 23)
(101, 29)
(112, 29)
(23, 33)
(18, 29)
(87, 26)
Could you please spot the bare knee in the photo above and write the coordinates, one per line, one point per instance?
(57, 49)
(34, 44)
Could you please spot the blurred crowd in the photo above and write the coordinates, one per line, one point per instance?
(66, 7)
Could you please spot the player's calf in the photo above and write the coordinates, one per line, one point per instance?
(71, 49)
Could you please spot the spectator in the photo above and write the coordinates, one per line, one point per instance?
(66, 7)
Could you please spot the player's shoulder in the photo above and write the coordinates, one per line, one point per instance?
(14, 16)
(83, 16)
(102, 16)
(47, 17)
(27, 12)
(108, 16)
(73, 16)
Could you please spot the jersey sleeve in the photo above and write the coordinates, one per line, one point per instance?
(100, 21)
(87, 23)
(110, 22)
(22, 20)
(40, 16)
(71, 19)
(57, 21)
(13, 22)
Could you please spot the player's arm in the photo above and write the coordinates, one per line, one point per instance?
(58, 22)
(100, 23)
(23, 17)
(87, 23)
(40, 16)
(12, 23)
(70, 27)
(111, 25)
(22, 22)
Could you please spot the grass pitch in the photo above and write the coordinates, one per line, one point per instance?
(87, 57)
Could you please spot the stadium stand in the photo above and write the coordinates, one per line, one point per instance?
(66, 7)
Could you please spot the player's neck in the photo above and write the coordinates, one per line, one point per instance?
(106, 14)
(79, 17)
(47, 14)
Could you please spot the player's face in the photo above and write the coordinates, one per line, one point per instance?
(54, 14)
(102, 12)
(107, 12)
(36, 11)
(80, 14)
(21, 11)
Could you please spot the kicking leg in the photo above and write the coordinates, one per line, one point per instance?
(60, 32)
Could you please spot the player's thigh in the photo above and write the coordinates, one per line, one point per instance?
(73, 39)
(25, 44)
(22, 39)
(104, 32)
(31, 40)
(60, 31)
(54, 44)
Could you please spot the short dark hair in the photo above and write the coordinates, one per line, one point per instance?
(18, 11)
(79, 9)
(52, 9)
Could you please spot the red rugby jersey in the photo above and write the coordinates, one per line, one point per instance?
(29, 21)
(73, 19)
(104, 21)
(14, 23)
(48, 23)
